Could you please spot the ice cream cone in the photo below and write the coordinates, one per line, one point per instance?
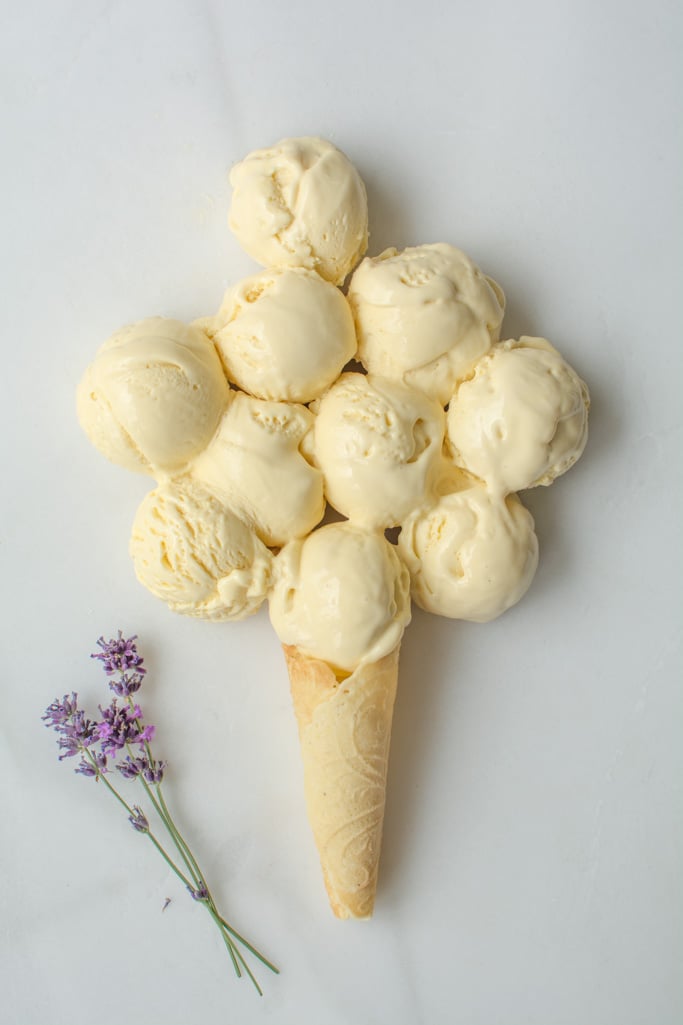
(345, 731)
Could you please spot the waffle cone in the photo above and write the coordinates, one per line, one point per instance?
(345, 731)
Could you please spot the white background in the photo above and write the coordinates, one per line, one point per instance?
(531, 871)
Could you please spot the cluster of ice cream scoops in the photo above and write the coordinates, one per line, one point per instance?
(395, 404)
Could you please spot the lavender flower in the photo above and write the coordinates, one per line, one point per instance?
(131, 768)
(128, 684)
(119, 654)
(152, 771)
(138, 820)
(96, 767)
(76, 731)
(59, 712)
(200, 893)
(120, 728)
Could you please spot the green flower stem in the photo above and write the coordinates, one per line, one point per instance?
(232, 949)
(112, 789)
(174, 868)
(247, 944)
(171, 829)
(162, 810)
(176, 831)
(231, 946)
(102, 779)
(211, 904)
(195, 871)
(241, 939)
(249, 971)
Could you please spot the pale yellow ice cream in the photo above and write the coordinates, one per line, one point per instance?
(424, 316)
(154, 395)
(284, 334)
(259, 460)
(378, 443)
(472, 555)
(300, 203)
(341, 595)
(522, 419)
(191, 551)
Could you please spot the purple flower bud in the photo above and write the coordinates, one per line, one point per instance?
(69, 747)
(138, 820)
(60, 712)
(86, 768)
(201, 893)
(119, 726)
(81, 728)
(127, 685)
(119, 655)
(154, 772)
(77, 733)
(151, 771)
(131, 768)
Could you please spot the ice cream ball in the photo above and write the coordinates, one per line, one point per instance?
(472, 555)
(284, 334)
(300, 203)
(521, 419)
(424, 316)
(378, 443)
(260, 461)
(341, 595)
(192, 551)
(153, 396)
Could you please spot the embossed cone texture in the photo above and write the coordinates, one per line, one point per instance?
(345, 732)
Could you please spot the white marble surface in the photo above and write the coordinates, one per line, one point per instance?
(533, 839)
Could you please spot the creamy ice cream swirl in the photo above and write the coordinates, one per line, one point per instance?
(341, 595)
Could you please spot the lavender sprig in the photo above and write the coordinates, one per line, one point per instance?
(121, 739)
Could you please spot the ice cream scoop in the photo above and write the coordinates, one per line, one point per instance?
(284, 334)
(259, 460)
(192, 551)
(424, 316)
(522, 419)
(341, 595)
(153, 397)
(472, 555)
(378, 443)
(300, 203)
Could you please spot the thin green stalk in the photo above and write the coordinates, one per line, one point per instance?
(249, 971)
(162, 811)
(175, 829)
(177, 840)
(174, 868)
(241, 939)
(247, 944)
(112, 789)
(231, 946)
(164, 855)
(102, 778)
(158, 802)
(232, 950)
